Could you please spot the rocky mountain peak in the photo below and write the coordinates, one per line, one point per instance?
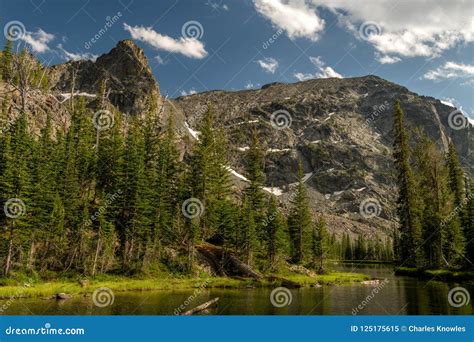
(129, 79)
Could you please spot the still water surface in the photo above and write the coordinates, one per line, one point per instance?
(398, 296)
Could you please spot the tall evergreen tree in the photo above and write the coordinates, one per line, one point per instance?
(274, 227)
(319, 243)
(408, 204)
(299, 221)
(456, 175)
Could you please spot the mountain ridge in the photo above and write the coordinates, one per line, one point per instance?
(339, 128)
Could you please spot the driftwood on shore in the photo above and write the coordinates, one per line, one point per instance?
(201, 307)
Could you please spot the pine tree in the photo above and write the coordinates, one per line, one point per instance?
(16, 186)
(444, 240)
(274, 226)
(209, 176)
(319, 245)
(6, 71)
(299, 221)
(167, 192)
(469, 224)
(248, 232)
(256, 176)
(56, 239)
(408, 206)
(456, 175)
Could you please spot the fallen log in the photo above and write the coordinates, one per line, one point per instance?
(225, 262)
(201, 307)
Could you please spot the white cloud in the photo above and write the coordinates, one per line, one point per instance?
(296, 17)
(302, 76)
(324, 71)
(159, 60)
(268, 64)
(38, 40)
(387, 59)
(408, 28)
(189, 92)
(448, 102)
(76, 56)
(189, 47)
(451, 70)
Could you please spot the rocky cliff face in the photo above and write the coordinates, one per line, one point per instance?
(125, 69)
(340, 129)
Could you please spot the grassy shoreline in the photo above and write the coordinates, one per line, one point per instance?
(442, 275)
(46, 289)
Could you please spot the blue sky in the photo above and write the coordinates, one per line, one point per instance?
(199, 45)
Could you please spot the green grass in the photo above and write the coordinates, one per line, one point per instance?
(47, 289)
(439, 274)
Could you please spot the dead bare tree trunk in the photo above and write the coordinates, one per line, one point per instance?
(96, 256)
(10, 251)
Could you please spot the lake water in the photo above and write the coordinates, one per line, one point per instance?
(398, 295)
